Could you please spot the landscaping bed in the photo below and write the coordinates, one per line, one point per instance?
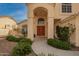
(62, 38)
(22, 47)
(59, 44)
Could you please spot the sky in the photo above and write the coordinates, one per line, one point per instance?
(18, 11)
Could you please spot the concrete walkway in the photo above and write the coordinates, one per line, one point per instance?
(40, 47)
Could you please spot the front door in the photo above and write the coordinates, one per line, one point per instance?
(40, 30)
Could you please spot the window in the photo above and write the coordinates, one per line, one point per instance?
(24, 30)
(40, 21)
(66, 7)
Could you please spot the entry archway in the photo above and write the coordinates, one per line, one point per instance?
(40, 20)
(40, 12)
(37, 11)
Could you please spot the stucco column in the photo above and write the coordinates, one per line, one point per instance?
(30, 22)
(30, 28)
(50, 27)
(77, 32)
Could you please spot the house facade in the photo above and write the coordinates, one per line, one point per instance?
(43, 19)
(23, 27)
(7, 24)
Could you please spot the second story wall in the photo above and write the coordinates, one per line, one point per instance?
(7, 23)
(61, 15)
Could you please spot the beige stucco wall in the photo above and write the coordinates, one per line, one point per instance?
(4, 32)
(6, 24)
(21, 24)
(54, 12)
(31, 20)
(55, 8)
(58, 10)
(66, 23)
(2, 26)
(77, 31)
(74, 39)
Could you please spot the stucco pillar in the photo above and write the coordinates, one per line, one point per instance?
(30, 28)
(30, 22)
(77, 31)
(50, 27)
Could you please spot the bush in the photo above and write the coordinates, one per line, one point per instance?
(26, 40)
(18, 51)
(62, 33)
(20, 39)
(11, 38)
(23, 47)
(59, 44)
(22, 50)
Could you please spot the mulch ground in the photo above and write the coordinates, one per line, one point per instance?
(75, 49)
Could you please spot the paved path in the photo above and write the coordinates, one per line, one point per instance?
(6, 46)
(40, 47)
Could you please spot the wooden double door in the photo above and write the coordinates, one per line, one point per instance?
(40, 30)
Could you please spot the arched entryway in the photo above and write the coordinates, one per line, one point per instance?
(40, 11)
(41, 27)
(40, 20)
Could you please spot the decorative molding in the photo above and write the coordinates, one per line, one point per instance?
(71, 17)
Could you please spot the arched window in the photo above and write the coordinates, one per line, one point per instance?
(40, 21)
(66, 7)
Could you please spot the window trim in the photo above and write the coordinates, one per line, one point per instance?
(40, 20)
(67, 6)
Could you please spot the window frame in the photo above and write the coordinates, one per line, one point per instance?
(66, 8)
(41, 21)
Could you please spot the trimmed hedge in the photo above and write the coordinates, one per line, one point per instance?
(23, 47)
(20, 39)
(26, 40)
(11, 38)
(59, 44)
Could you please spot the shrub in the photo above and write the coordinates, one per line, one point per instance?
(28, 49)
(59, 44)
(26, 40)
(23, 47)
(20, 39)
(11, 38)
(18, 51)
(62, 33)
